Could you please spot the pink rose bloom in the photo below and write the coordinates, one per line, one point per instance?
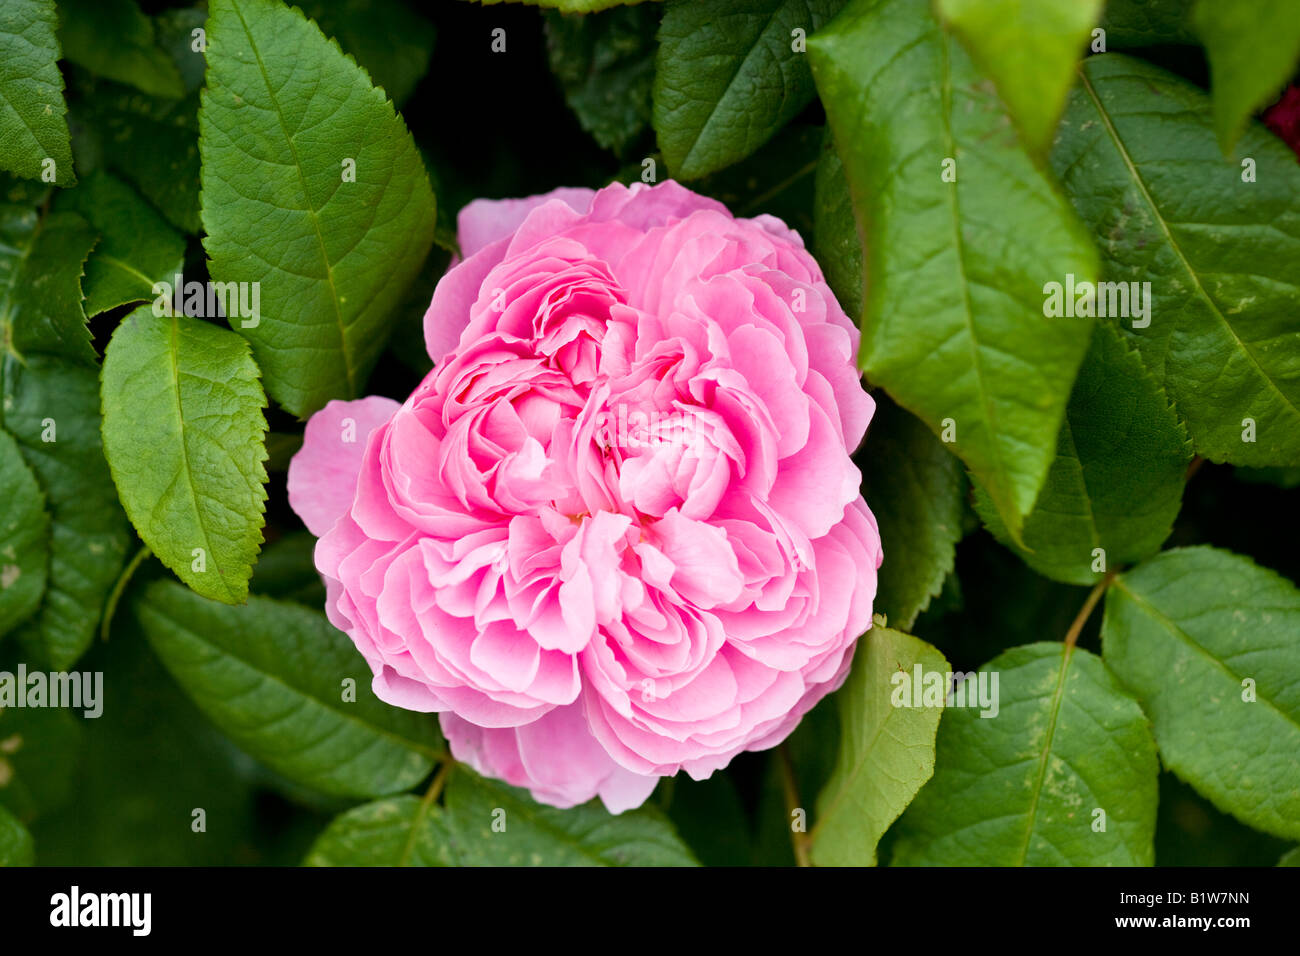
(616, 532)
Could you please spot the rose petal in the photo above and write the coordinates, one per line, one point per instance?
(322, 476)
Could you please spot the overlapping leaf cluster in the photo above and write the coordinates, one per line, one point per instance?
(947, 162)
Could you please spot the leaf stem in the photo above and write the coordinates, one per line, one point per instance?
(431, 795)
(1080, 619)
(439, 781)
(123, 579)
(798, 841)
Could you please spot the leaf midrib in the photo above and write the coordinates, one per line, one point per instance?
(312, 213)
(418, 820)
(731, 81)
(1172, 626)
(404, 742)
(853, 775)
(556, 832)
(968, 315)
(12, 107)
(1094, 531)
(1058, 696)
(173, 354)
(1194, 276)
(130, 270)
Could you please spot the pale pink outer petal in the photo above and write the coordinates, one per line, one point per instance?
(484, 221)
(323, 474)
(555, 757)
(643, 207)
(449, 310)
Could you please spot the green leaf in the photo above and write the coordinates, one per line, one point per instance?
(386, 37)
(150, 142)
(40, 283)
(137, 247)
(836, 242)
(1117, 480)
(16, 847)
(184, 437)
(486, 823)
(536, 835)
(566, 6)
(40, 751)
(1138, 156)
(145, 765)
(727, 76)
(886, 752)
(953, 323)
(1206, 640)
(24, 538)
(273, 677)
(1290, 858)
(283, 111)
(1023, 788)
(1138, 23)
(1253, 47)
(33, 126)
(917, 491)
(605, 63)
(113, 39)
(398, 831)
(51, 406)
(1028, 48)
